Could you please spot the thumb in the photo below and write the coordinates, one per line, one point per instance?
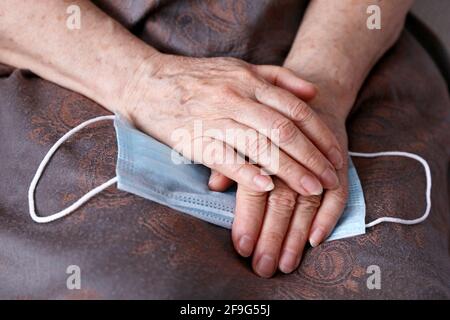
(286, 79)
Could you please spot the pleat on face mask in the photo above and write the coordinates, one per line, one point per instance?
(145, 168)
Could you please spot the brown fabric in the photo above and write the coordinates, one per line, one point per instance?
(128, 247)
(257, 31)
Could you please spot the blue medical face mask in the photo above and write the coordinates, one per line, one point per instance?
(145, 167)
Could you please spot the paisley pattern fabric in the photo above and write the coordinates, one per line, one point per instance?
(257, 31)
(128, 247)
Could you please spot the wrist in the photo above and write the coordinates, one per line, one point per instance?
(122, 86)
(334, 100)
(335, 94)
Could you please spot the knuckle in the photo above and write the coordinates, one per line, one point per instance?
(301, 112)
(288, 168)
(263, 86)
(313, 158)
(309, 204)
(340, 195)
(226, 90)
(261, 89)
(245, 74)
(287, 130)
(282, 201)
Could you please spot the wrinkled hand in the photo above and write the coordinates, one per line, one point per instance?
(333, 201)
(227, 93)
(276, 226)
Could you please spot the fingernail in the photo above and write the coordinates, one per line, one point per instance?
(316, 237)
(263, 182)
(311, 185)
(245, 246)
(330, 178)
(336, 158)
(288, 261)
(265, 266)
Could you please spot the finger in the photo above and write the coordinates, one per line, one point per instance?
(298, 232)
(280, 205)
(258, 148)
(248, 218)
(219, 182)
(286, 79)
(219, 156)
(331, 209)
(306, 120)
(290, 140)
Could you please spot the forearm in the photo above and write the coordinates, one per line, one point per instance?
(98, 60)
(335, 49)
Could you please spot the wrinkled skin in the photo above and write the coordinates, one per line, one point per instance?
(224, 94)
(275, 227)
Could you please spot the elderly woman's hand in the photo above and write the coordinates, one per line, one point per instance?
(226, 94)
(276, 226)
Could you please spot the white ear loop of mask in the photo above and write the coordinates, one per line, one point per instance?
(41, 169)
(112, 181)
(427, 191)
